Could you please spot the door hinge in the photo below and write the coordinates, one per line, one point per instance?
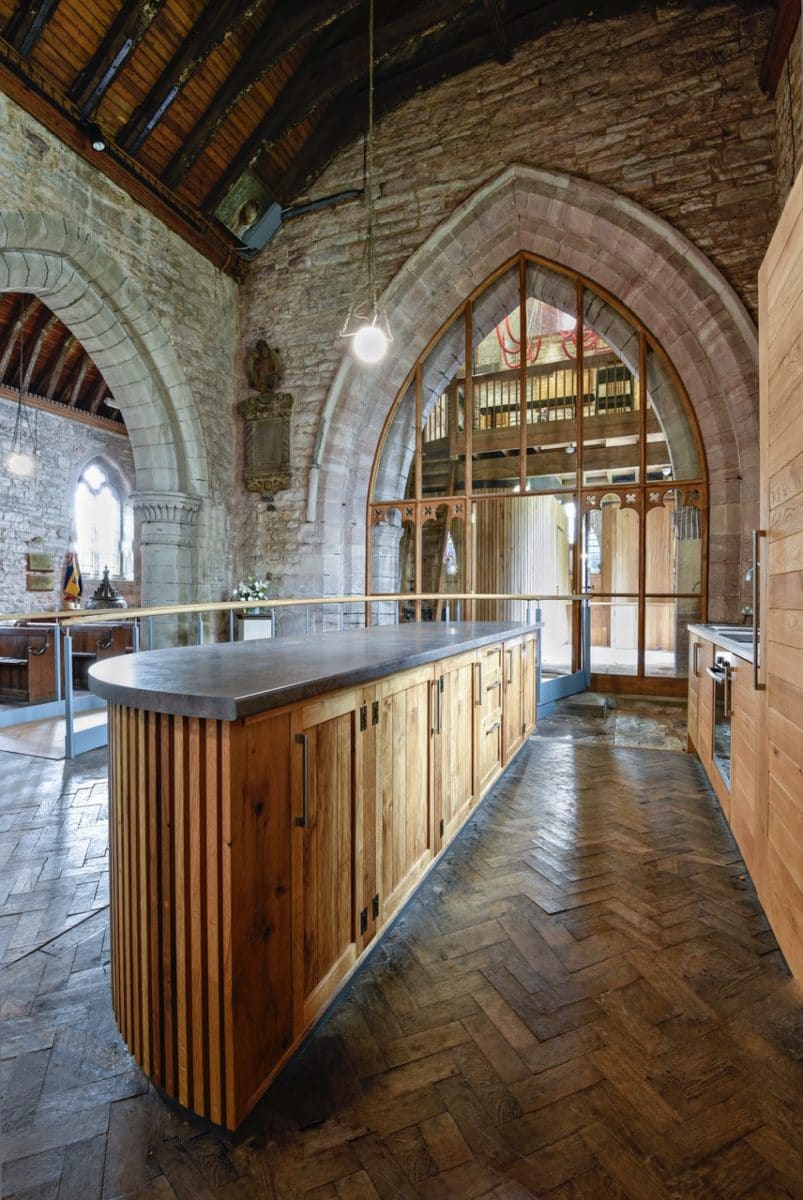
(441, 827)
(375, 906)
(363, 718)
(375, 713)
(363, 920)
(523, 727)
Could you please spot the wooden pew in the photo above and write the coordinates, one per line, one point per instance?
(27, 664)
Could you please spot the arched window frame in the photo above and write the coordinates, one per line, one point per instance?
(644, 495)
(116, 482)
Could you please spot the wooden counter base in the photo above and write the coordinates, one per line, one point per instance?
(254, 861)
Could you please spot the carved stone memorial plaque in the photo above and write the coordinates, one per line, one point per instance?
(268, 420)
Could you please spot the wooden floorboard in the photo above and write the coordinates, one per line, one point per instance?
(583, 1002)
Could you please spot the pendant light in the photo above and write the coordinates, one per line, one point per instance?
(21, 461)
(366, 324)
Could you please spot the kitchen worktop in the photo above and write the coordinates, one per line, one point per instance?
(229, 680)
(738, 639)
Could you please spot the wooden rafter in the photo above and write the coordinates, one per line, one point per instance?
(55, 374)
(26, 25)
(80, 375)
(327, 77)
(127, 31)
(99, 394)
(288, 26)
(7, 358)
(48, 319)
(216, 23)
(498, 32)
(787, 19)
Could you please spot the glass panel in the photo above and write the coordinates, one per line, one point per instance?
(611, 429)
(523, 545)
(614, 636)
(551, 432)
(666, 635)
(674, 545)
(443, 414)
(556, 638)
(392, 564)
(610, 548)
(671, 445)
(496, 336)
(443, 563)
(395, 477)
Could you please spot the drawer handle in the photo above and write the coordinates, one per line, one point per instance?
(493, 728)
(301, 739)
(716, 673)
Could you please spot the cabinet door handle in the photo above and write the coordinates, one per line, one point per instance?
(757, 535)
(439, 696)
(302, 740)
(716, 673)
(478, 700)
(510, 666)
(695, 665)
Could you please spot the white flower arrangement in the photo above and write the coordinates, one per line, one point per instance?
(253, 589)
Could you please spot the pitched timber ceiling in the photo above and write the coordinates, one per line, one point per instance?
(205, 105)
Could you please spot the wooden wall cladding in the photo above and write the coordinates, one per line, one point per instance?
(781, 376)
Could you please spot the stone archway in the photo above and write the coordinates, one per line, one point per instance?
(636, 256)
(82, 284)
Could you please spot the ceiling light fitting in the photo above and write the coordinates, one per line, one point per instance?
(367, 324)
(96, 137)
(20, 460)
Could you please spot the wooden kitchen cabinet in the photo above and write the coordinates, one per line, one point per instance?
(529, 668)
(701, 684)
(452, 737)
(404, 833)
(327, 810)
(487, 691)
(254, 858)
(748, 816)
(512, 719)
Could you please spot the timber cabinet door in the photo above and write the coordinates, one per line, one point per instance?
(748, 802)
(512, 724)
(452, 732)
(695, 682)
(704, 745)
(487, 718)
(529, 663)
(404, 826)
(326, 812)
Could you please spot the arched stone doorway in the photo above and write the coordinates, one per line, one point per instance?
(655, 271)
(79, 282)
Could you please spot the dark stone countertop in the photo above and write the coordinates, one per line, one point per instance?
(228, 680)
(738, 639)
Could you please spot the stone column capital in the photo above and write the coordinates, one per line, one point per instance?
(169, 508)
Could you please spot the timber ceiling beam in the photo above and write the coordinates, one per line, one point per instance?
(326, 77)
(48, 320)
(216, 23)
(787, 19)
(26, 25)
(286, 28)
(58, 369)
(98, 396)
(498, 32)
(78, 381)
(34, 92)
(10, 339)
(127, 31)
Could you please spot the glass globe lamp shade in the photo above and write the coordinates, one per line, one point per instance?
(20, 463)
(370, 344)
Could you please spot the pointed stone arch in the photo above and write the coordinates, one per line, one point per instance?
(673, 289)
(82, 284)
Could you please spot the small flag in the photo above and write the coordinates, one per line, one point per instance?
(73, 585)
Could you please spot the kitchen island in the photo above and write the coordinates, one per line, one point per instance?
(272, 806)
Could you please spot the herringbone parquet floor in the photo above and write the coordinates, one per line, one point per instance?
(584, 1001)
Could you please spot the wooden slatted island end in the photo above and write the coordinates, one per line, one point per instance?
(272, 806)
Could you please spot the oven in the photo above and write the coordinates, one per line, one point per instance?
(722, 674)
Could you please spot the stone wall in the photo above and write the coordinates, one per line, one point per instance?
(160, 322)
(37, 512)
(662, 108)
(789, 124)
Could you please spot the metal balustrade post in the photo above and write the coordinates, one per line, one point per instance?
(149, 626)
(200, 628)
(69, 713)
(231, 624)
(136, 637)
(57, 662)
